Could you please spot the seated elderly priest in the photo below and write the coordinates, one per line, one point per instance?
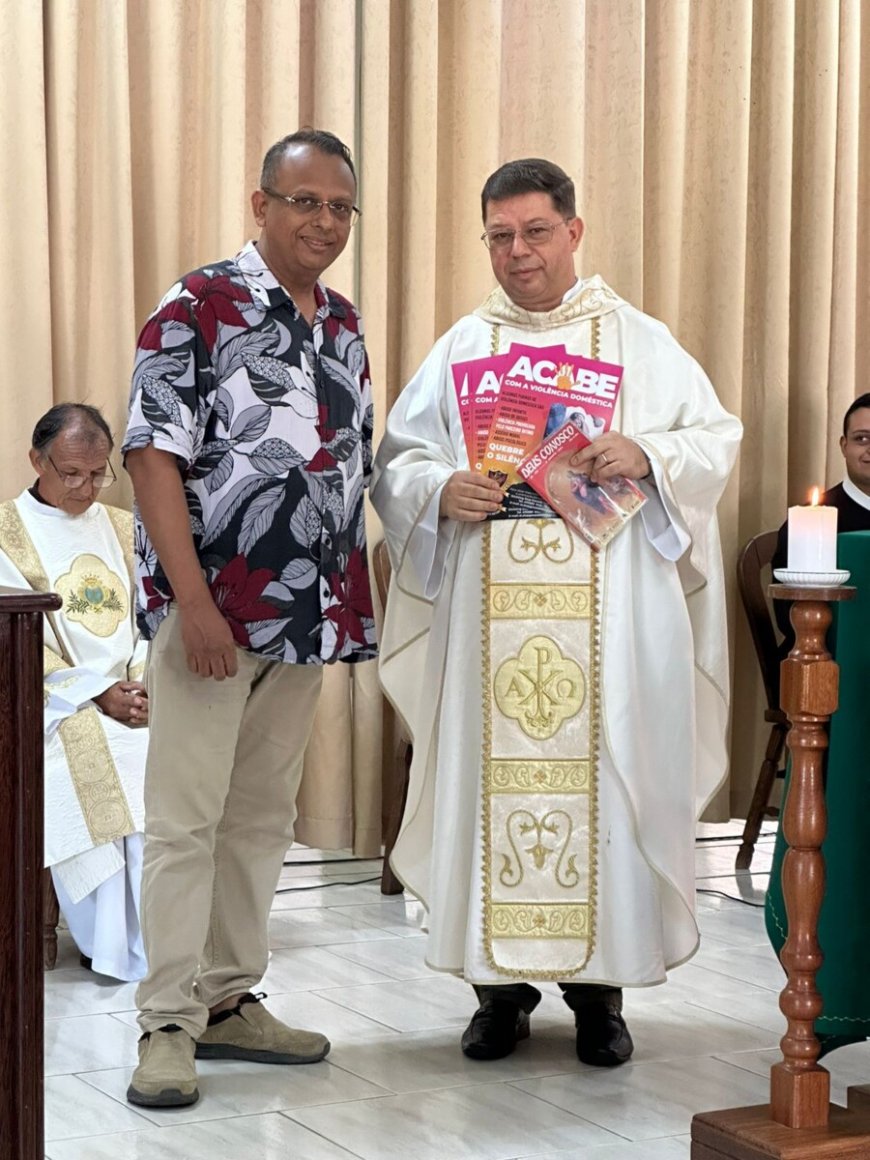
(56, 537)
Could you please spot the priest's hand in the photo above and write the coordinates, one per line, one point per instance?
(613, 454)
(126, 701)
(470, 496)
(208, 639)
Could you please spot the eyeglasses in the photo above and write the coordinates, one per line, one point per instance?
(74, 479)
(859, 439)
(342, 211)
(535, 235)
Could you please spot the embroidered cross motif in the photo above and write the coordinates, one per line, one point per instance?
(535, 537)
(540, 688)
(552, 833)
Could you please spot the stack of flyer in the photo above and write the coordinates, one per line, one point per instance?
(513, 406)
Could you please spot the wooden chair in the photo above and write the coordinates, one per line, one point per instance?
(752, 579)
(396, 781)
(50, 919)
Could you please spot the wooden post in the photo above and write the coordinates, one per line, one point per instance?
(799, 1122)
(799, 1088)
(21, 856)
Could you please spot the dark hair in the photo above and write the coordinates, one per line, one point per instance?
(320, 139)
(82, 416)
(530, 175)
(861, 401)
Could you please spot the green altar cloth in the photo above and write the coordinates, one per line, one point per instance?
(844, 922)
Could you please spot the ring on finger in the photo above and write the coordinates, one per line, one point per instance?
(604, 458)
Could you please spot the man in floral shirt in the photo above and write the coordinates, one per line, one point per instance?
(249, 447)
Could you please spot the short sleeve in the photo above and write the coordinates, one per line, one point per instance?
(167, 387)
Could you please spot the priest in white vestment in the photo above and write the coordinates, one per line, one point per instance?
(568, 709)
(55, 537)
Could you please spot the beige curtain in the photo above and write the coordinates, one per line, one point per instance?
(720, 147)
(721, 150)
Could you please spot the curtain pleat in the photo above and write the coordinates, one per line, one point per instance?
(721, 156)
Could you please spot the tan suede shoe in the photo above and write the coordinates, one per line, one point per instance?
(249, 1032)
(166, 1075)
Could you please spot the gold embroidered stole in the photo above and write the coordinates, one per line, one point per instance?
(122, 522)
(540, 737)
(122, 525)
(15, 541)
(92, 768)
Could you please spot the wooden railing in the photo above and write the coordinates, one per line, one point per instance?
(21, 845)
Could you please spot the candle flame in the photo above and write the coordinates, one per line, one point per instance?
(814, 497)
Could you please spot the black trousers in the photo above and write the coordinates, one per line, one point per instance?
(527, 997)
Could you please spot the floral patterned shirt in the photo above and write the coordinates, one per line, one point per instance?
(270, 420)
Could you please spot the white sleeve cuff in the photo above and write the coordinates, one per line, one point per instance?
(663, 526)
(429, 545)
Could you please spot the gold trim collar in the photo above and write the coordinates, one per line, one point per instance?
(593, 299)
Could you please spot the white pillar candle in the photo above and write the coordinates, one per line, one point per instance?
(812, 538)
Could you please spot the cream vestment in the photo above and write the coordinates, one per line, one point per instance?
(568, 709)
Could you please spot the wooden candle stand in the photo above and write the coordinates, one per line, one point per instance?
(799, 1122)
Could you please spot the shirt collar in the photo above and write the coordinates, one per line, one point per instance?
(856, 494)
(575, 289)
(268, 292)
(34, 491)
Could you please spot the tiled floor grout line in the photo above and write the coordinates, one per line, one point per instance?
(730, 930)
(288, 1116)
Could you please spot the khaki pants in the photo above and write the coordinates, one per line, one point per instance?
(224, 765)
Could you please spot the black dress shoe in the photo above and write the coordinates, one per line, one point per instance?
(85, 962)
(603, 1040)
(500, 1022)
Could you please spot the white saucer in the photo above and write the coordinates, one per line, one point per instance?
(812, 579)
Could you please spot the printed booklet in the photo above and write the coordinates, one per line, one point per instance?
(509, 403)
(597, 511)
(541, 389)
(477, 384)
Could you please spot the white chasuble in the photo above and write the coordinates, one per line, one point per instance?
(568, 856)
(94, 765)
(540, 705)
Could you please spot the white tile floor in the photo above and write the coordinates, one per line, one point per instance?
(348, 962)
